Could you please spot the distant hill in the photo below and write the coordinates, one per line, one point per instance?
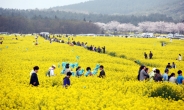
(172, 8)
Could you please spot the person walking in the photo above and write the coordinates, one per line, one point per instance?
(180, 57)
(103, 48)
(150, 55)
(36, 37)
(34, 78)
(141, 67)
(66, 80)
(102, 72)
(145, 55)
(180, 79)
(99, 50)
(173, 65)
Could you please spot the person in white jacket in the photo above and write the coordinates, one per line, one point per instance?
(180, 57)
(51, 70)
(152, 74)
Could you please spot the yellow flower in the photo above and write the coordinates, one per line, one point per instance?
(119, 90)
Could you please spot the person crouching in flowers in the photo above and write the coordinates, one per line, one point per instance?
(67, 68)
(158, 76)
(102, 72)
(88, 73)
(78, 71)
(51, 71)
(34, 78)
(66, 79)
(152, 74)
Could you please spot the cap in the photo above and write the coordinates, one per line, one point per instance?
(154, 69)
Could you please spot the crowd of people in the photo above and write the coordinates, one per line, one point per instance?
(67, 71)
(91, 48)
(72, 42)
(155, 75)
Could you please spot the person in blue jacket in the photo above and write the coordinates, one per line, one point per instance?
(180, 78)
(88, 73)
(66, 79)
(78, 69)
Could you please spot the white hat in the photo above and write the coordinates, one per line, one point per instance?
(54, 66)
(154, 69)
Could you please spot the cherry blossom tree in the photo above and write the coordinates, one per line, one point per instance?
(156, 27)
(159, 27)
(145, 26)
(180, 27)
(171, 27)
(112, 26)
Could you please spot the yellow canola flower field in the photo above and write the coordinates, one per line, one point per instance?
(120, 90)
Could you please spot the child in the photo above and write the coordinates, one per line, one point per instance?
(66, 79)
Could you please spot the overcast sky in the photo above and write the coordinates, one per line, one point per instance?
(32, 4)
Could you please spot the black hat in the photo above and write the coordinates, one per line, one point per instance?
(69, 74)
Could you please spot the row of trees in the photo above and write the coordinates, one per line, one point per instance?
(18, 24)
(50, 14)
(156, 27)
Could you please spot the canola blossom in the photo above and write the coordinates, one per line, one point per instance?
(119, 90)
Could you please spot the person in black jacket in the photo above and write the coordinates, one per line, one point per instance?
(34, 78)
(103, 48)
(158, 76)
(145, 55)
(102, 72)
(168, 66)
(151, 55)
